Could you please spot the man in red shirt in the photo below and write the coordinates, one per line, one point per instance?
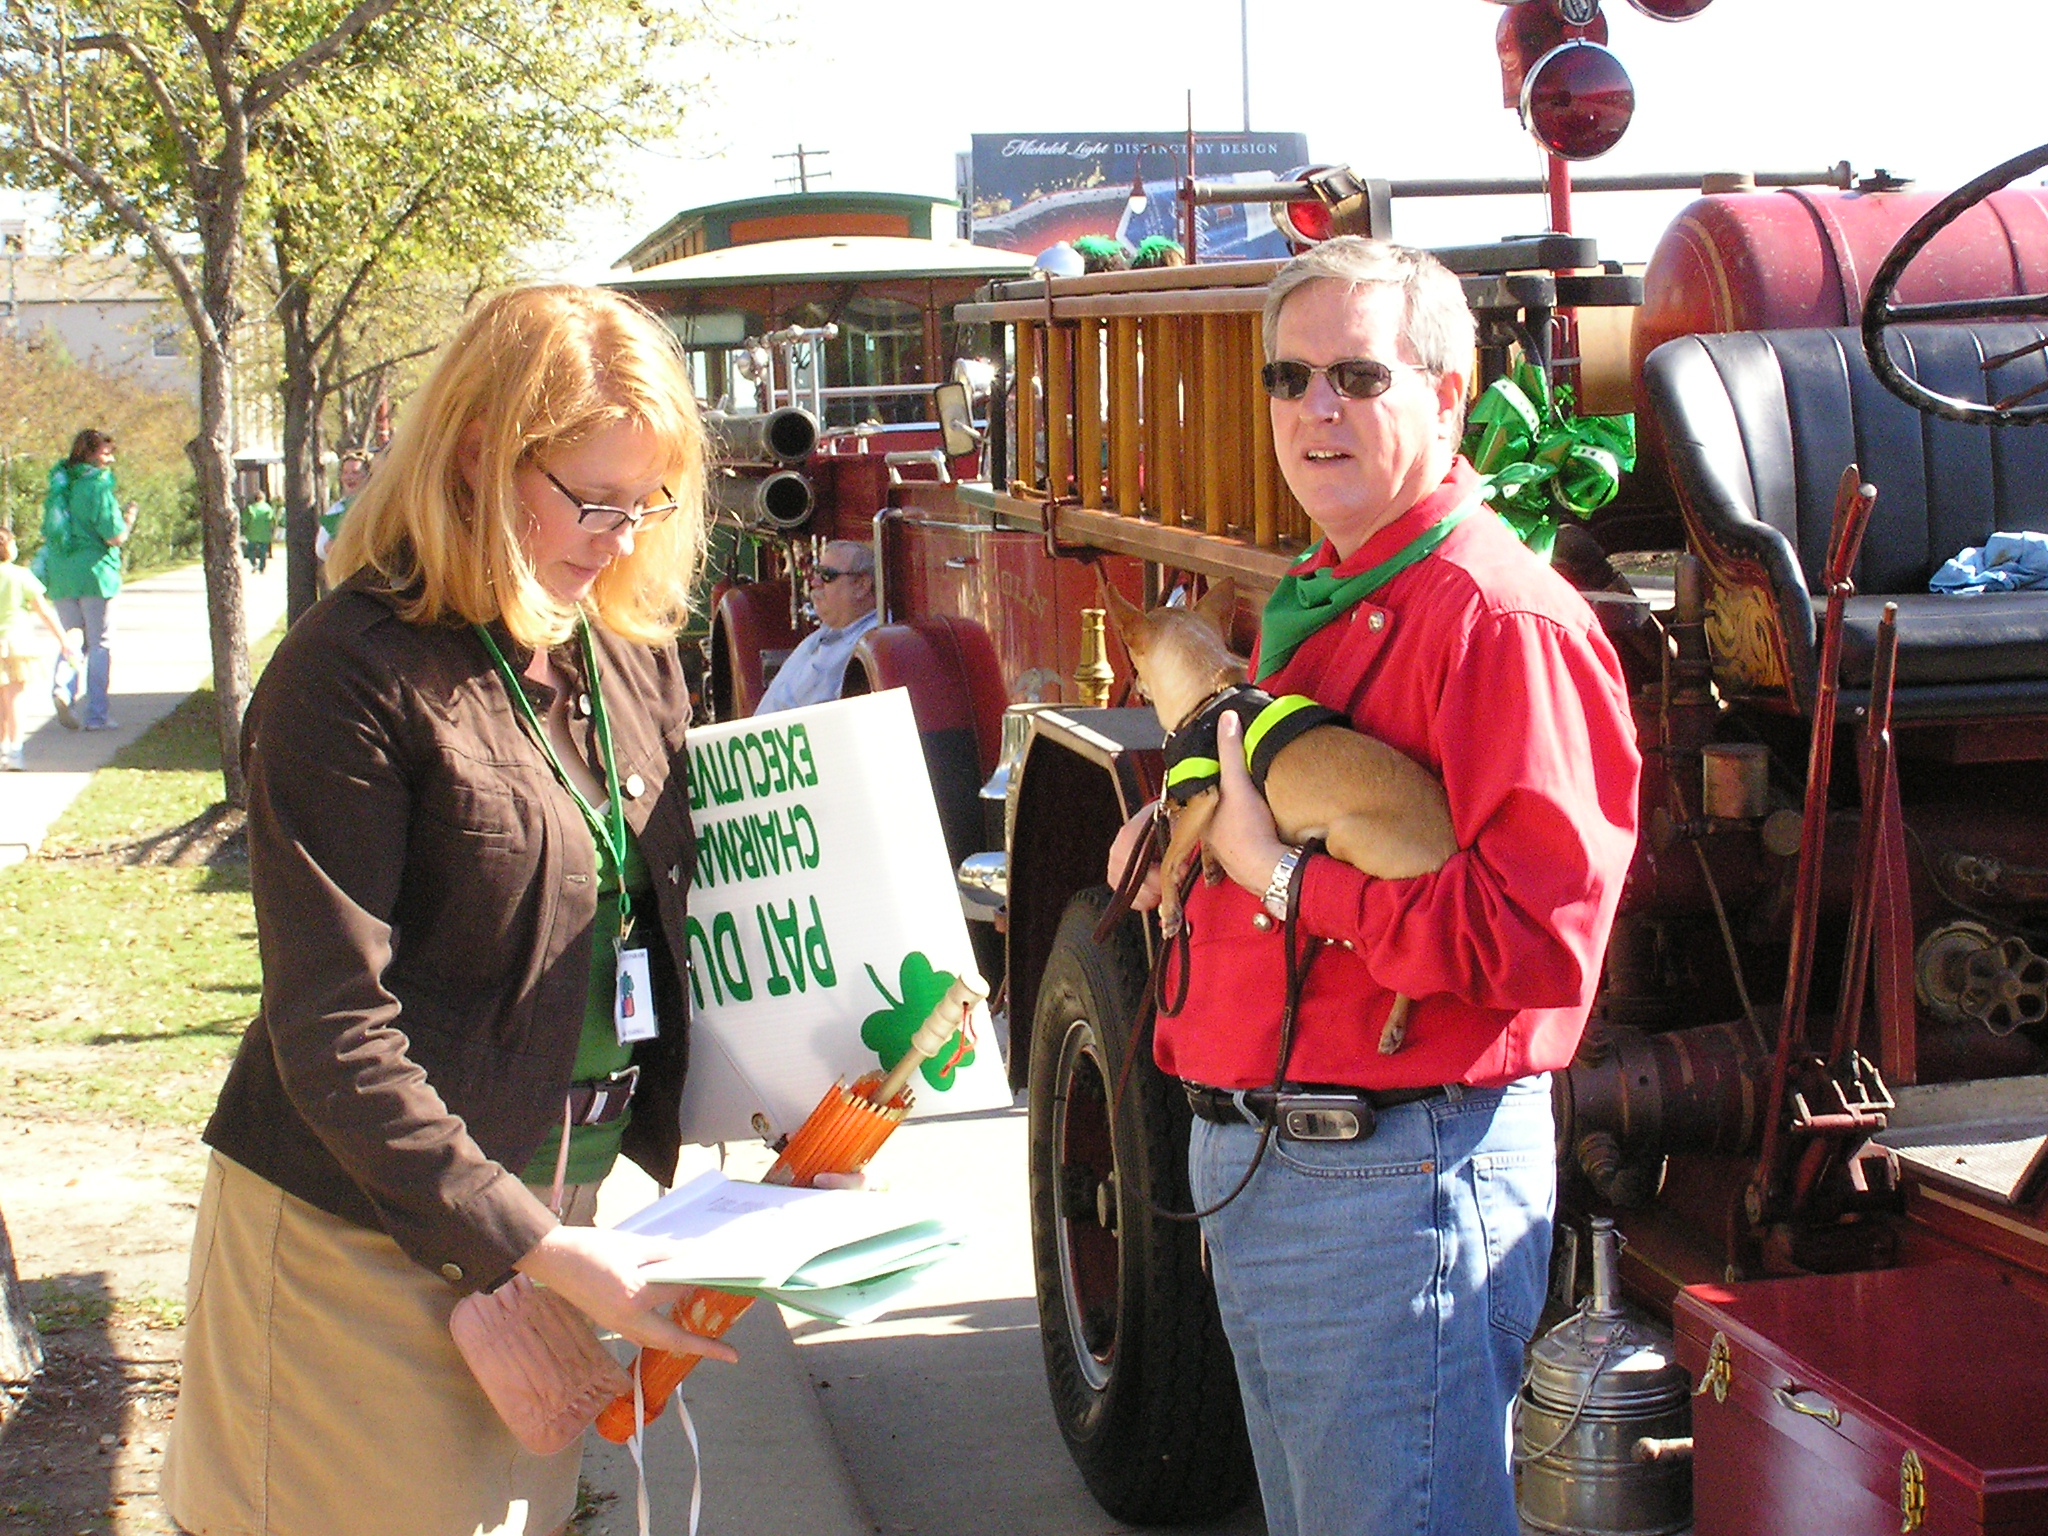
(1384, 1266)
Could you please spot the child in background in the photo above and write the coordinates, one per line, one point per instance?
(20, 594)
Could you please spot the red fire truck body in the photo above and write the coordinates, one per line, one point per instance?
(1829, 1228)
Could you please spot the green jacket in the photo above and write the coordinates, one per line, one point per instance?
(259, 522)
(81, 521)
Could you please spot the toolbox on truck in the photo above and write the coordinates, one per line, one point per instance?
(1866, 1404)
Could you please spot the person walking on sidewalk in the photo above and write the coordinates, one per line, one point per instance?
(259, 532)
(20, 595)
(84, 527)
(467, 762)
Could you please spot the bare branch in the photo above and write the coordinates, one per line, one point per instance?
(123, 208)
(381, 364)
(128, 47)
(373, 259)
(273, 85)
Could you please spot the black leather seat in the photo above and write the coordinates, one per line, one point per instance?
(1760, 425)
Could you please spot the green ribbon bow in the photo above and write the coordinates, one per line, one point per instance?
(1538, 461)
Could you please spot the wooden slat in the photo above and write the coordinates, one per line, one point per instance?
(1124, 494)
(1204, 301)
(1088, 412)
(1029, 414)
(1170, 489)
(1236, 274)
(1183, 549)
(1059, 410)
(1214, 386)
(1266, 489)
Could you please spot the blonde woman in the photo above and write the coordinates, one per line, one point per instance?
(467, 822)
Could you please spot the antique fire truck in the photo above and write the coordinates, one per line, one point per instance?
(1812, 1100)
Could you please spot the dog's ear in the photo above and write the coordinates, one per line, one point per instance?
(1125, 616)
(1218, 606)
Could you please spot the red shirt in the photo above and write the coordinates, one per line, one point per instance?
(1481, 663)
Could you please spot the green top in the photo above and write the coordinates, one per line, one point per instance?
(18, 591)
(81, 521)
(1304, 602)
(259, 522)
(594, 1148)
(330, 520)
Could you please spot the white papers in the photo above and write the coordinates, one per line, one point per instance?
(841, 1254)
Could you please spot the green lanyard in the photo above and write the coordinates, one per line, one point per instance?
(609, 833)
(1302, 604)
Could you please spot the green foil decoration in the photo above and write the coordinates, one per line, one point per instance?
(1539, 462)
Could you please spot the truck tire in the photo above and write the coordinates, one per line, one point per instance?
(1139, 1370)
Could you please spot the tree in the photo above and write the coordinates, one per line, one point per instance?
(403, 192)
(142, 115)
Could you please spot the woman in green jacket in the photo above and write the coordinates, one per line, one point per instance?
(84, 527)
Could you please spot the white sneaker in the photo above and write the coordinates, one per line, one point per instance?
(10, 758)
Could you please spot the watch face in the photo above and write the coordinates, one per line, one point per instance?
(1577, 13)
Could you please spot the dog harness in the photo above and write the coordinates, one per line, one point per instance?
(1270, 726)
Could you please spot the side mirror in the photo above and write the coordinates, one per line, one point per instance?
(956, 419)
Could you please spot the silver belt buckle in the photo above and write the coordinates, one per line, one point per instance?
(1323, 1117)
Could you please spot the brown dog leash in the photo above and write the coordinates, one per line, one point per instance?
(1144, 857)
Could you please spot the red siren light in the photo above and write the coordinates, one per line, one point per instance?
(1578, 101)
(1670, 10)
(1531, 29)
(1304, 224)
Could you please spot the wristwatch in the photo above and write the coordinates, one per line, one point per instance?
(1275, 899)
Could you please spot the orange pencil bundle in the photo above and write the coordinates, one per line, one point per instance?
(846, 1129)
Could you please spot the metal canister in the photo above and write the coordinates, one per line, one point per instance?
(1600, 1384)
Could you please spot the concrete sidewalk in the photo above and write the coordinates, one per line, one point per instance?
(160, 655)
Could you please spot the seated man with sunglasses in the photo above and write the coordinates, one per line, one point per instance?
(843, 592)
(1385, 1263)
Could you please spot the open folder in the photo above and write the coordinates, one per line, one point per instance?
(841, 1254)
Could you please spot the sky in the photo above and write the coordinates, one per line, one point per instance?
(1395, 88)
(1935, 89)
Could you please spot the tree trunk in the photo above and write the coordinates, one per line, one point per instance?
(212, 455)
(301, 405)
(21, 1352)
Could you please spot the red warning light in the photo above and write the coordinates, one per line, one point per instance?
(1528, 31)
(1304, 224)
(1670, 10)
(1577, 101)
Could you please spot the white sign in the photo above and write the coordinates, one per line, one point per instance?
(824, 920)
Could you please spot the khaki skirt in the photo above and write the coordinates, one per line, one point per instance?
(322, 1395)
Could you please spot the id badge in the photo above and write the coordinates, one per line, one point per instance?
(633, 999)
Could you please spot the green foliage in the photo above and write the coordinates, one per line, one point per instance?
(887, 1031)
(48, 397)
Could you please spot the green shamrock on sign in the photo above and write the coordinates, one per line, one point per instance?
(887, 1031)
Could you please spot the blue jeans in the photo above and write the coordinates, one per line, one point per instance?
(1378, 1296)
(94, 615)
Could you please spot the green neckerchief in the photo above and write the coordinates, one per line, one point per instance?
(1302, 604)
(609, 832)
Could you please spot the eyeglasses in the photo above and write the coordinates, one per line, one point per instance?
(600, 518)
(1355, 378)
(824, 575)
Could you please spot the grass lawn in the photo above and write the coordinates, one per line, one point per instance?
(126, 979)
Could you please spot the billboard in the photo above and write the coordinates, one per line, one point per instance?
(1030, 191)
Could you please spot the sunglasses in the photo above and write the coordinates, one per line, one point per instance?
(600, 518)
(1355, 378)
(824, 575)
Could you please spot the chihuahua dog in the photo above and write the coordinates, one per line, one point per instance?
(1373, 807)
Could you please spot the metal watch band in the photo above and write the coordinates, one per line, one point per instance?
(1275, 899)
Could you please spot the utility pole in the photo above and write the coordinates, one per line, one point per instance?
(1244, 54)
(804, 173)
(14, 241)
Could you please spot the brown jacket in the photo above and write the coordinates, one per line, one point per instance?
(425, 899)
